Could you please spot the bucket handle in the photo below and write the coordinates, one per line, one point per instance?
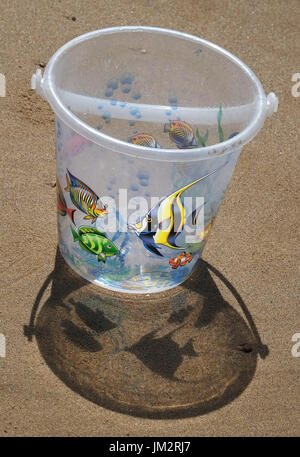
(153, 113)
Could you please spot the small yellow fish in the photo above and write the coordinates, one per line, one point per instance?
(143, 139)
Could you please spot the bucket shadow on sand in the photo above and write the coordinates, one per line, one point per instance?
(180, 353)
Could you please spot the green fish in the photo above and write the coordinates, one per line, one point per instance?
(95, 242)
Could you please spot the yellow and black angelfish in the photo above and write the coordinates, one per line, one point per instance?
(157, 228)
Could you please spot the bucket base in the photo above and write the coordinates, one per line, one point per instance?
(173, 354)
(144, 282)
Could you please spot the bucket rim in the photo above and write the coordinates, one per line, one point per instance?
(175, 155)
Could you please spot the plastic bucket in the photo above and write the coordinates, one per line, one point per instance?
(149, 126)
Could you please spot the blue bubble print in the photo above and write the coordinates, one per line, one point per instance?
(134, 188)
(127, 78)
(112, 84)
(106, 115)
(136, 95)
(126, 89)
(142, 175)
(232, 135)
(133, 111)
(172, 100)
(144, 182)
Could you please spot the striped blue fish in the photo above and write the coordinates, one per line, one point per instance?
(85, 198)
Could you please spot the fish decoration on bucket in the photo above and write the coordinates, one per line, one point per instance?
(144, 139)
(95, 242)
(185, 257)
(76, 143)
(160, 228)
(181, 260)
(157, 228)
(181, 134)
(85, 198)
(62, 208)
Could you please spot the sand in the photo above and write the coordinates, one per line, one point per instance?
(254, 243)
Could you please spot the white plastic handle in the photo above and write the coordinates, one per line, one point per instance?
(37, 83)
(153, 113)
(272, 104)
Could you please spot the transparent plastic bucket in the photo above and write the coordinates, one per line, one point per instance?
(149, 126)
